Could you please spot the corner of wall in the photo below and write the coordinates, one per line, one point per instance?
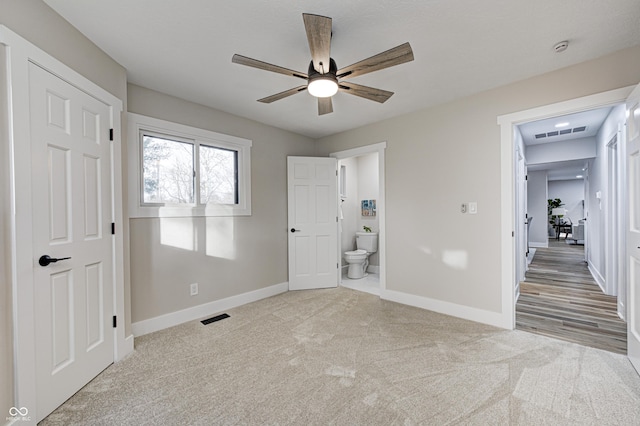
(6, 308)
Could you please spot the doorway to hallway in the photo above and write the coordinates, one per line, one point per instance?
(568, 291)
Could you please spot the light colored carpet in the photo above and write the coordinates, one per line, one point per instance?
(344, 357)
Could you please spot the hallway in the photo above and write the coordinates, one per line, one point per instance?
(559, 298)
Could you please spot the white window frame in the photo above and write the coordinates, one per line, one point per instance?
(138, 124)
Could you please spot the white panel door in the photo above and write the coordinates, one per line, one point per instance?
(313, 222)
(71, 155)
(633, 234)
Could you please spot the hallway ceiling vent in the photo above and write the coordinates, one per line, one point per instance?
(561, 132)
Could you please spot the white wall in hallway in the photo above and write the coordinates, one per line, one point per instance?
(575, 149)
(598, 184)
(537, 208)
(571, 192)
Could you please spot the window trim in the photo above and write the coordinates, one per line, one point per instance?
(137, 209)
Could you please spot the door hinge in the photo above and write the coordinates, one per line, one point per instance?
(115, 321)
(337, 266)
(113, 228)
(513, 233)
(110, 134)
(526, 177)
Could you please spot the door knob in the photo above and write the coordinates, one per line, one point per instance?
(45, 260)
(295, 230)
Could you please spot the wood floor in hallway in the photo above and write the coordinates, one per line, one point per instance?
(559, 298)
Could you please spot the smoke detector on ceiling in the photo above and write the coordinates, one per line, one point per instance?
(561, 46)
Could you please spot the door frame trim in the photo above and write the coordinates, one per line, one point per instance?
(18, 54)
(378, 148)
(507, 124)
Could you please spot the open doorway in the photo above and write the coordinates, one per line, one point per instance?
(361, 211)
(573, 182)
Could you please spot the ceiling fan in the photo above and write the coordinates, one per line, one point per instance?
(324, 79)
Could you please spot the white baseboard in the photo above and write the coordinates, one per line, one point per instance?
(161, 322)
(597, 276)
(465, 312)
(125, 348)
(538, 245)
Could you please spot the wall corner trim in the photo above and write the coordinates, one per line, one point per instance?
(597, 276)
(161, 322)
(125, 348)
(495, 319)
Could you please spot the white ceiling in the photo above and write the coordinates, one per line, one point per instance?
(184, 48)
(592, 121)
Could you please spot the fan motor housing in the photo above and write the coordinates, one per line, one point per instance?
(333, 70)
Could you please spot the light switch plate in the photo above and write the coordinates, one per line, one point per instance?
(473, 207)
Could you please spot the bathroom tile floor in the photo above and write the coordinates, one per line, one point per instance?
(369, 284)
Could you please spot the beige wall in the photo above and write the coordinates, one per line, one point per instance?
(226, 256)
(36, 22)
(443, 156)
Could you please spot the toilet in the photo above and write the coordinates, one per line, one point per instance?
(358, 260)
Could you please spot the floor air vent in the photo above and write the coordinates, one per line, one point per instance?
(214, 319)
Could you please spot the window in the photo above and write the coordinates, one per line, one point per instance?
(177, 170)
(167, 170)
(218, 175)
(169, 173)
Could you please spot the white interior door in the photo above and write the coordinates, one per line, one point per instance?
(72, 215)
(313, 222)
(633, 235)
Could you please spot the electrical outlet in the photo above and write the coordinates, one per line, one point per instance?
(194, 289)
(463, 208)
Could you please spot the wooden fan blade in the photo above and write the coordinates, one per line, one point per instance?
(396, 56)
(370, 93)
(319, 37)
(325, 106)
(282, 95)
(243, 60)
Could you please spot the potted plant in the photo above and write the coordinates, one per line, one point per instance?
(553, 204)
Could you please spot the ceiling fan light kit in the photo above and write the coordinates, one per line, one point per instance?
(323, 86)
(323, 83)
